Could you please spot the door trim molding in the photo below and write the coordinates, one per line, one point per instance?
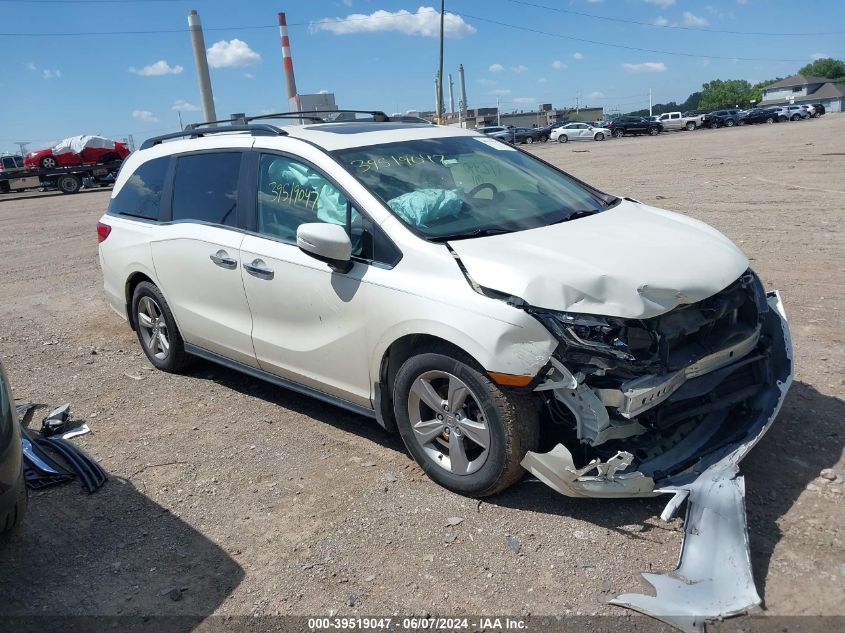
(278, 380)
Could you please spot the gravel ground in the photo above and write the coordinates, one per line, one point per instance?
(240, 498)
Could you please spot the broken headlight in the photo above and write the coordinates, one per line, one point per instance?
(622, 339)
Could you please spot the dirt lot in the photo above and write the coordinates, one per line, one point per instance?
(260, 501)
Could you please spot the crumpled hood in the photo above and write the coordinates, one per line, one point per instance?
(632, 261)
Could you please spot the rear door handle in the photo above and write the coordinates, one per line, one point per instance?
(257, 268)
(222, 259)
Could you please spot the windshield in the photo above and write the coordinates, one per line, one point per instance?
(448, 188)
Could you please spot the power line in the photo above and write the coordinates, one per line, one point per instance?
(622, 46)
(465, 15)
(666, 26)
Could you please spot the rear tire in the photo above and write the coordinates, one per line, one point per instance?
(69, 183)
(769, 121)
(730, 123)
(795, 117)
(156, 329)
(508, 423)
(529, 140)
(544, 138)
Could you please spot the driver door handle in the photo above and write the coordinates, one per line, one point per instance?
(257, 268)
(222, 259)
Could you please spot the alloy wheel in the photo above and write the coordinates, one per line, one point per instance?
(448, 423)
(153, 328)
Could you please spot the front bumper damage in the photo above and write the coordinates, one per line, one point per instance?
(713, 579)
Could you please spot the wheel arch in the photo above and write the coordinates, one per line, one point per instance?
(129, 290)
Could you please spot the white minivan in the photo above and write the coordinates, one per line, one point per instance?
(499, 313)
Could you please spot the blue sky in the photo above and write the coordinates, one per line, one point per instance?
(120, 83)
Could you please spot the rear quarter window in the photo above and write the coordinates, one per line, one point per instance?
(140, 196)
(205, 188)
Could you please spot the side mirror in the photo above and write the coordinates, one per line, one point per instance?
(326, 242)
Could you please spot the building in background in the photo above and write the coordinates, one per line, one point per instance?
(799, 90)
(543, 117)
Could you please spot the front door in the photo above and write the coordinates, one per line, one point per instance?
(309, 322)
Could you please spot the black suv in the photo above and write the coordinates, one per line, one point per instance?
(758, 115)
(12, 485)
(721, 118)
(634, 125)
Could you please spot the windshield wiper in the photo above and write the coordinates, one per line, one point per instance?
(470, 234)
(581, 213)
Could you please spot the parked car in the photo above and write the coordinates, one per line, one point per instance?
(634, 125)
(720, 118)
(796, 112)
(781, 112)
(415, 275)
(819, 110)
(679, 121)
(579, 132)
(500, 132)
(530, 135)
(78, 150)
(13, 493)
(758, 115)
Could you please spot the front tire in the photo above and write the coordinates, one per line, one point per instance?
(563, 138)
(48, 162)
(690, 126)
(156, 329)
(653, 131)
(463, 431)
(770, 120)
(618, 133)
(529, 139)
(599, 136)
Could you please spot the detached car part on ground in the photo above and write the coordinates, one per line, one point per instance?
(498, 312)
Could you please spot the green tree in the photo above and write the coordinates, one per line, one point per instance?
(756, 93)
(726, 93)
(825, 67)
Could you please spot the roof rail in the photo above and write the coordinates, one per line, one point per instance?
(196, 130)
(378, 115)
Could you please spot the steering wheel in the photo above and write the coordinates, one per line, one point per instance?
(484, 185)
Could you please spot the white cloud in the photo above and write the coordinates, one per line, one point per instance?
(348, 3)
(660, 21)
(559, 65)
(742, 1)
(499, 92)
(577, 55)
(816, 56)
(184, 106)
(595, 95)
(595, 1)
(524, 100)
(231, 54)
(662, 3)
(645, 67)
(51, 74)
(519, 69)
(691, 19)
(31, 66)
(161, 67)
(496, 68)
(249, 75)
(485, 82)
(542, 80)
(425, 22)
(145, 115)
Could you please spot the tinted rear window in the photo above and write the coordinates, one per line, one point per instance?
(206, 188)
(140, 196)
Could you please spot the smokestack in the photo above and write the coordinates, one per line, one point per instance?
(201, 62)
(451, 95)
(287, 62)
(463, 90)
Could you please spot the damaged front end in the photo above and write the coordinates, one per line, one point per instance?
(671, 404)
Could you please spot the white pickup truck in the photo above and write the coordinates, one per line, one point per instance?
(677, 121)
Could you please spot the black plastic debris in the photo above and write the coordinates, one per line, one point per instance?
(23, 410)
(83, 465)
(57, 422)
(39, 469)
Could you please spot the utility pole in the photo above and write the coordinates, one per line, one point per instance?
(440, 67)
(179, 112)
(201, 61)
(498, 114)
(451, 94)
(649, 102)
